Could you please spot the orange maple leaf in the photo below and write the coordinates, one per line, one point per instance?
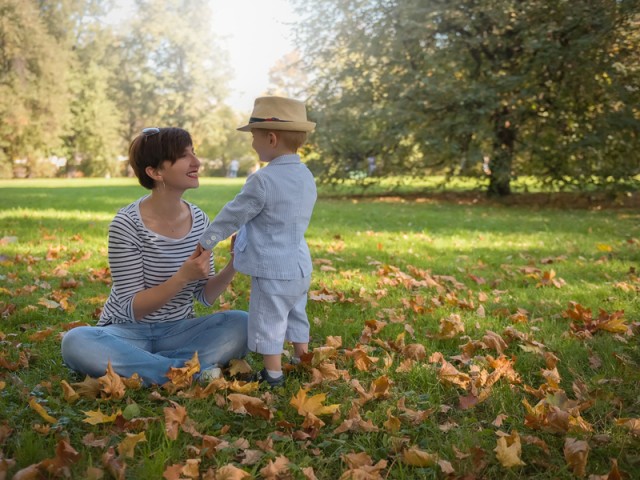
(418, 458)
(127, 446)
(277, 469)
(253, 406)
(69, 393)
(174, 417)
(183, 376)
(447, 373)
(313, 404)
(111, 385)
(509, 449)
(95, 417)
(231, 472)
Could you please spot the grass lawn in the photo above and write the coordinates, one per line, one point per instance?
(450, 341)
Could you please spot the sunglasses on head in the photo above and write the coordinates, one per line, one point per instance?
(150, 131)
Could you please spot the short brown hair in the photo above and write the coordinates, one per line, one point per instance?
(151, 149)
(292, 140)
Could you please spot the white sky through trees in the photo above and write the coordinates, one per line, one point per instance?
(256, 33)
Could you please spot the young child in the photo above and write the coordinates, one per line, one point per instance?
(271, 214)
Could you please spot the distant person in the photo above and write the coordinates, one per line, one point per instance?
(486, 165)
(233, 168)
(148, 323)
(272, 213)
(371, 165)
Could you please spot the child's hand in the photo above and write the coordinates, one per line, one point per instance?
(233, 244)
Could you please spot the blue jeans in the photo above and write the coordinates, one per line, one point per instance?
(150, 349)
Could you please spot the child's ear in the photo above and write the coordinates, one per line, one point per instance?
(273, 139)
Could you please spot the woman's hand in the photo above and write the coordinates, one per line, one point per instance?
(194, 268)
(197, 266)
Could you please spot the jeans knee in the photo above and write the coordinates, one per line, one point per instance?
(74, 343)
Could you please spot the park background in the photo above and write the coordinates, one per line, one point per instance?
(491, 90)
(455, 334)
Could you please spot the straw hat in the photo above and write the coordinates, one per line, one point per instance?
(279, 113)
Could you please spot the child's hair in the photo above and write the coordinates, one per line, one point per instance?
(292, 140)
(152, 147)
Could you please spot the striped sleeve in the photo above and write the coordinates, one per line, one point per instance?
(126, 263)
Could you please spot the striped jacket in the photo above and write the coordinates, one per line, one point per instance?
(272, 213)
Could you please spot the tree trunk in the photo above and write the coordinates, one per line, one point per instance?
(502, 158)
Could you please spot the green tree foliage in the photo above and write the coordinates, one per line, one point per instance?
(34, 99)
(92, 143)
(75, 84)
(170, 71)
(541, 87)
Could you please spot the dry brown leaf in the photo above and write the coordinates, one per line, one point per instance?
(392, 424)
(576, 453)
(111, 385)
(450, 327)
(508, 450)
(32, 472)
(58, 466)
(309, 474)
(243, 387)
(311, 422)
(88, 388)
(68, 392)
(448, 373)
(183, 376)
(418, 458)
(362, 361)
(39, 409)
(173, 472)
(446, 467)
(415, 351)
(276, 470)
(127, 446)
(251, 457)
(174, 418)
(632, 424)
(355, 423)
(94, 473)
(114, 464)
(231, 472)
(533, 440)
(192, 468)
(494, 341)
(134, 382)
(246, 405)
(361, 467)
(333, 341)
(415, 416)
(90, 440)
(239, 366)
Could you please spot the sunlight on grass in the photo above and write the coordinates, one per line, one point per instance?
(406, 285)
(52, 214)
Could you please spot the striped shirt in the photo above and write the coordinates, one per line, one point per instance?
(140, 259)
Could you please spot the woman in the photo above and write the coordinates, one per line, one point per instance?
(148, 323)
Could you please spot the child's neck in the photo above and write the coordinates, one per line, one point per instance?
(279, 153)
